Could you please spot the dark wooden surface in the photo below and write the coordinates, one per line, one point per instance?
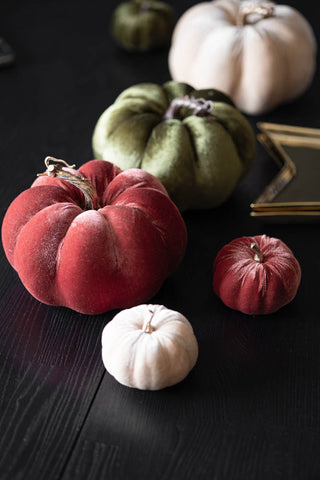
(250, 409)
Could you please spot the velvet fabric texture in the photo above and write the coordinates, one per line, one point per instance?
(142, 25)
(199, 159)
(252, 286)
(260, 59)
(114, 255)
(149, 347)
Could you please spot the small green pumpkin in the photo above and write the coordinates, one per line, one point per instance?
(142, 25)
(195, 141)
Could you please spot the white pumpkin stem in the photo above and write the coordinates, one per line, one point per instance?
(56, 169)
(148, 328)
(199, 107)
(258, 256)
(260, 9)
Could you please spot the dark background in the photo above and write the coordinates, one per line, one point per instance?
(250, 409)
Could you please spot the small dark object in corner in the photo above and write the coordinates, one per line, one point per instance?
(7, 55)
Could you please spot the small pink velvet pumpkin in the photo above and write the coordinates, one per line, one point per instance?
(110, 248)
(256, 275)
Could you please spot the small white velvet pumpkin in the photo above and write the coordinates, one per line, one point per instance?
(259, 53)
(149, 347)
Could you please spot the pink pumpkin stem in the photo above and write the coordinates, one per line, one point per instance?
(199, 107)
(57, 170)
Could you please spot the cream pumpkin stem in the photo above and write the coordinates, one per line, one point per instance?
(148, 328)
(57, 169)
(198, 106)
(260, 9)
(258, 256)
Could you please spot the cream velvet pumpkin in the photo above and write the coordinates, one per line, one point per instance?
(259, 53)
(149, 347)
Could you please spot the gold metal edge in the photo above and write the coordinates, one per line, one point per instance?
(271, 137)
(274, 127)
(296, 141)
(285, 213)
(285, 175)
(286, 204)
(293, 209)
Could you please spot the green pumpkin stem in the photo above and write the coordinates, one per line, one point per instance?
(145, 7)
(260, 9)
(198, 106)
(57, 169)
(258, 256)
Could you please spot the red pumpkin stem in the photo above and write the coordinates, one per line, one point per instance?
(148, 327)
(258, 256)
(260, 9)
(56, 170)
(199, 107)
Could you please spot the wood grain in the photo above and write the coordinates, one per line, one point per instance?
(49, 373)
(250, 409)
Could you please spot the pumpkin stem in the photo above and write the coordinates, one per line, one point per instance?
(199, 107)
(148, 327)
(56, 170)
(258, 256)
(259, 9)
(145, 7)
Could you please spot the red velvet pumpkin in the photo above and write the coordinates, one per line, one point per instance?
(115, 252)
(256, 275)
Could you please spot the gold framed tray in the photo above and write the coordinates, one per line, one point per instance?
(295, 190)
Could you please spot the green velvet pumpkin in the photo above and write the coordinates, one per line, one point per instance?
(195, 141)
(142, 24)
